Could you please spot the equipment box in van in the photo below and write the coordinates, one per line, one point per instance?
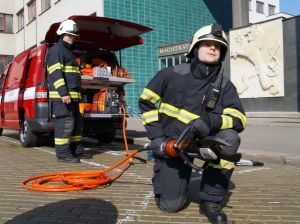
(24, 102)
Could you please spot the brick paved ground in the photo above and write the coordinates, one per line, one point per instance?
(263, 195)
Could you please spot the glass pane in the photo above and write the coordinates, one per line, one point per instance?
(271, 10)
(46, 5)
(170, 62)
(163, 63)
(177, 61)
(1, 23)
(9, 23)
(259, 7)
(182, 59)
(2, 65)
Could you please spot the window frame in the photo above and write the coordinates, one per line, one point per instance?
(21, 18)
(44, 6)
(181, 59)
(3, 17)
(6, 59)
(260, 7)
(31, 10)
(271, 8)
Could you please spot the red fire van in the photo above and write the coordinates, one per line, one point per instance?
(24, 103)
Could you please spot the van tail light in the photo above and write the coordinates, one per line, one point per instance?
(41, 94)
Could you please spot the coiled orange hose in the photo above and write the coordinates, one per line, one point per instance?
(81, 180)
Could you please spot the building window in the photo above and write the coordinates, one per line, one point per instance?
(260, 7)
(20, 16)
(4, 61)
(172, 60)
(6, 23)
(31, 10)
(45, 4)
(250, 7)
(271, 10)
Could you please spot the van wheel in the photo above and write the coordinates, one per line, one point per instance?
(27, 137)
(1, 131)
(107, 137)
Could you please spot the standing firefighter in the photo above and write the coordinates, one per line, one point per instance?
(193, 94)
(64, 92)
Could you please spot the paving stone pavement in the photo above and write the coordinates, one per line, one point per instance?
(260, 195)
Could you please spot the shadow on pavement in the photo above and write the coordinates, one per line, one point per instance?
(82, 210)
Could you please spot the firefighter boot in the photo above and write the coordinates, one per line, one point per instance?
(214, 212)
(68, 160)
(83, 155)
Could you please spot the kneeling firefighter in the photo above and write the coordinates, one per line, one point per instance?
(64, 92)
(197, 95)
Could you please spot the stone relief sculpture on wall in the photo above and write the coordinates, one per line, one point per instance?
(256, 60)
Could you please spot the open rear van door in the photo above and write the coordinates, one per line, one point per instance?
(13, 92)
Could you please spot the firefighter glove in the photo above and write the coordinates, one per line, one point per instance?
(201, 127)
(157, 146)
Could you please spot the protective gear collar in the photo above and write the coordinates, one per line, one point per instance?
(69, 27)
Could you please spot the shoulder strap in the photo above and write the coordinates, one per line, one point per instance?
(220, 81)
(224, 82)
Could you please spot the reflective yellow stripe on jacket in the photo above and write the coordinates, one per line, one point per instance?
(227, 122)
(59, 83)
(68, 68)
(150, 96)
(73, 95)
(178, 113)
(235, 113)
(150, 116)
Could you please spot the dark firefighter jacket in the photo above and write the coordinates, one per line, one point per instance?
(63, 72)
(179, 94)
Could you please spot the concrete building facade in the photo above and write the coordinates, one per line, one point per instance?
(260, 10)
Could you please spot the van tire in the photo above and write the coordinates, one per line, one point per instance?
(107, 137)
(1, 131)
(27, 137)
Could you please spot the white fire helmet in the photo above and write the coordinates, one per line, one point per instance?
(68, 26)
(213, 32)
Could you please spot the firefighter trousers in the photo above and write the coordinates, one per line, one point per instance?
(67, 129)
(172, 176)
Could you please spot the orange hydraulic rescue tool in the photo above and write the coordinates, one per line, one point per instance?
(187, 149)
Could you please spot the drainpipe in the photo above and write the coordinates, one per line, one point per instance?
(240, 13)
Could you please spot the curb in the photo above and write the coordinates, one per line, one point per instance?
(271, 157)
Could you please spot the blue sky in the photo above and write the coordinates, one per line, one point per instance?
(290, 7)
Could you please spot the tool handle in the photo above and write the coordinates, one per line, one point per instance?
(181, 137)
